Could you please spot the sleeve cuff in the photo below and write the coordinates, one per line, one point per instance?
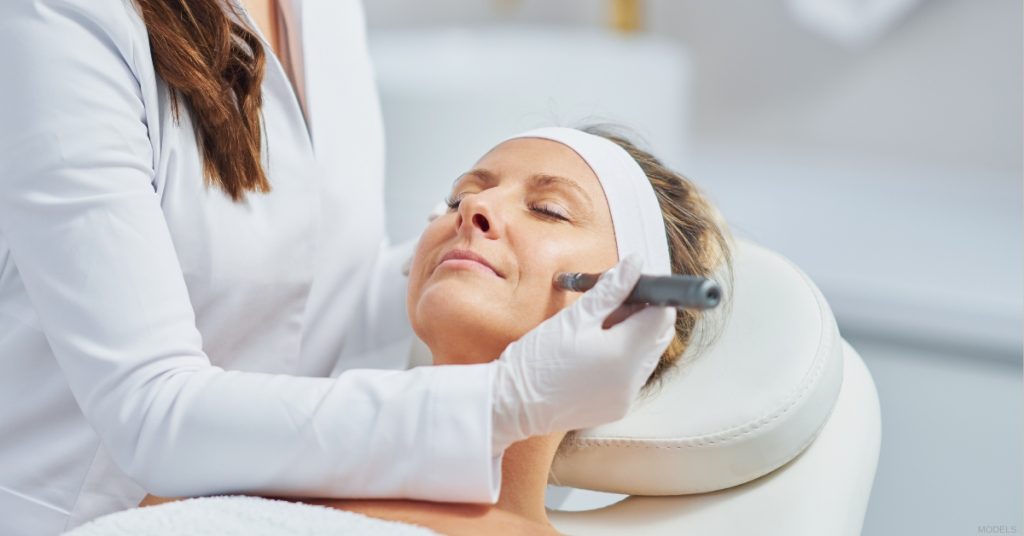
(464, 467)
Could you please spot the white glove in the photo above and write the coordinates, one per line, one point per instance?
(570, 373)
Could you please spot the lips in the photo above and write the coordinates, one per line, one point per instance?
(465, 254)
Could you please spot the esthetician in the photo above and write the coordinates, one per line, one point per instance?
(192, 239)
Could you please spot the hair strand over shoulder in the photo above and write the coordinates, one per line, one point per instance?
(214, 64)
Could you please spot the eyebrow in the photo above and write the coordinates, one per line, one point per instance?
(486, 175)
(539, 180)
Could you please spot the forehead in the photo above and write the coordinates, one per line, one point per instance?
(522, 158)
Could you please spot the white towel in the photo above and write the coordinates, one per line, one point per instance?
(241, 516)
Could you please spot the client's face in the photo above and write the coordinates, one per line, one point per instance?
(482, 274)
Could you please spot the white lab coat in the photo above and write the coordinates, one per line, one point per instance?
(122, 278)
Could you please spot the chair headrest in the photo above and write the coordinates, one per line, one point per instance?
(736, 410)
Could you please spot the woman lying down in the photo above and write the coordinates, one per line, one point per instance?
(547, 201)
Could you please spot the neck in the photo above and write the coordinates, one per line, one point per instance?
(526, 464)
(524, 476)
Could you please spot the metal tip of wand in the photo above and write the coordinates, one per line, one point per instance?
(566, 281)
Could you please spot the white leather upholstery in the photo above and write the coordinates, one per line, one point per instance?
(780, 356)
(745, 406)
(824, 490)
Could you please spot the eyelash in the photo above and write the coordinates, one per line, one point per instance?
(453, 204)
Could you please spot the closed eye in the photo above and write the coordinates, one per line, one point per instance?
(453, 202)
(549, 213)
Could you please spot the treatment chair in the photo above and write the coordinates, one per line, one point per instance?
(774, 429)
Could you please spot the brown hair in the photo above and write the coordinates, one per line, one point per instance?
(698, 242)
(215, 65)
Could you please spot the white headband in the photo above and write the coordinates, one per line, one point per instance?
(636, 215)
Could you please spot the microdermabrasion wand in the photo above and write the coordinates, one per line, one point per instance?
(679, 291)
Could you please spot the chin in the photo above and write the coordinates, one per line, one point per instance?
(460, 326)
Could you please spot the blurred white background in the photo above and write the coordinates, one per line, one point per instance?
(885, 163)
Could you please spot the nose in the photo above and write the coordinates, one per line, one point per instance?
(478, 213)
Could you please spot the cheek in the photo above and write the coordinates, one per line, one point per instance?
(547, 258)
(431, 239)
(582, 252)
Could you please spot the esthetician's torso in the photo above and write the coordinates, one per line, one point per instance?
(277, 282)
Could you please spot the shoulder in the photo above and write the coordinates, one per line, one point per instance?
(114, 15)
(76, 66)
(60, 23)
(451, 519)
(80, 43)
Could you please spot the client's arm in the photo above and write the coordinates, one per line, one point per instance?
(153, 500)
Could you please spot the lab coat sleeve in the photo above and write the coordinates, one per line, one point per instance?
(381, 332)
(88, 238)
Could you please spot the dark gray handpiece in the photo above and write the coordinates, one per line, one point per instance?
(679, 291)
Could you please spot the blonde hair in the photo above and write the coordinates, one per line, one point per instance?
(698, 241)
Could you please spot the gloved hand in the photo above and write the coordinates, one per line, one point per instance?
(569, 372)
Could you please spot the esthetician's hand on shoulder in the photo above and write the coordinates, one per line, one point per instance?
(569, 372)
